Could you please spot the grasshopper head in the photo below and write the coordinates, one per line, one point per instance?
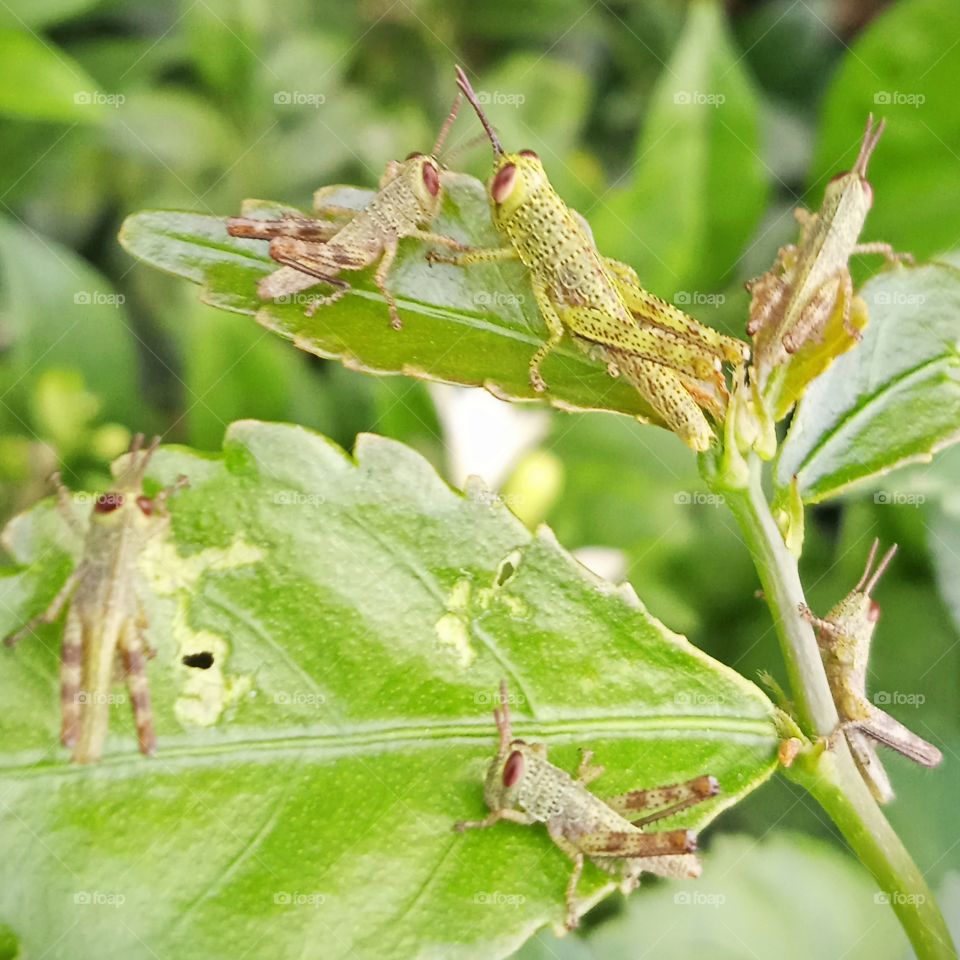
(853, 183)
(127, 498)
(501, 789)
(516, 178)
(424, 174)
(858, 611)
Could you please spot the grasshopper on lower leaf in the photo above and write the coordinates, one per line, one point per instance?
(105, 631)
(315, 251)
(673, 360)
(844, 636)
(523, 787)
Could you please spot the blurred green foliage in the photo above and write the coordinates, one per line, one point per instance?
(115, 106)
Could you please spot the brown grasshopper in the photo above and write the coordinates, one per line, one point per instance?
(792, 303)
(105, 631)
(673, 360)
(844, 636)
(523, 787)
(317, 250)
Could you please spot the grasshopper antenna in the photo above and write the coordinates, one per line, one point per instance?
(866, 570)
(447, 124)
(459, 148)
(881, 567)
(870, 138)
(464, 84)
(501, 715)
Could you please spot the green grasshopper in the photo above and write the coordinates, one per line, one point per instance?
(844, 636)
(793, 302)
(318, 250)
(673, 360)
(105, 630)
(523, 787)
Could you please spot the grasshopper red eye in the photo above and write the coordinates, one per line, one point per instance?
(107, 502)
(146, 505)
(530, 153)
(431, 179)
(873, 614)
(513, 769)
(868, 190)
(503, 183)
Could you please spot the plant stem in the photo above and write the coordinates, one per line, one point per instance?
(831, 775)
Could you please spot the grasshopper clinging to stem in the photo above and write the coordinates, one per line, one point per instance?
(315, 250)
(523, 787)
(105, 630)
(792, 303)
(844, 636)
(673, 360)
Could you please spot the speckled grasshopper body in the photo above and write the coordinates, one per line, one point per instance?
(844, 636)
(318, 250)
(792, 302)
(523, 787)
(105, 631)
(673, 360)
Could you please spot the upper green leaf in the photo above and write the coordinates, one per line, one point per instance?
(360, 614)
(892, 399)
(477, 325)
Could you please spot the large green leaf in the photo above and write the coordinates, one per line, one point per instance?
(700, 185)
(360, 614)
(893, 399)
(477, 326)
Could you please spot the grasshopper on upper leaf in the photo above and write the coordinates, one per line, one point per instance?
(105, 631)
(810, 281)
(673, 360)
(318, 250)
(523, 787)
(844, 636)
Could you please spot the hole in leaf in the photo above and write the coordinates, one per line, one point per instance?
(202, 661)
